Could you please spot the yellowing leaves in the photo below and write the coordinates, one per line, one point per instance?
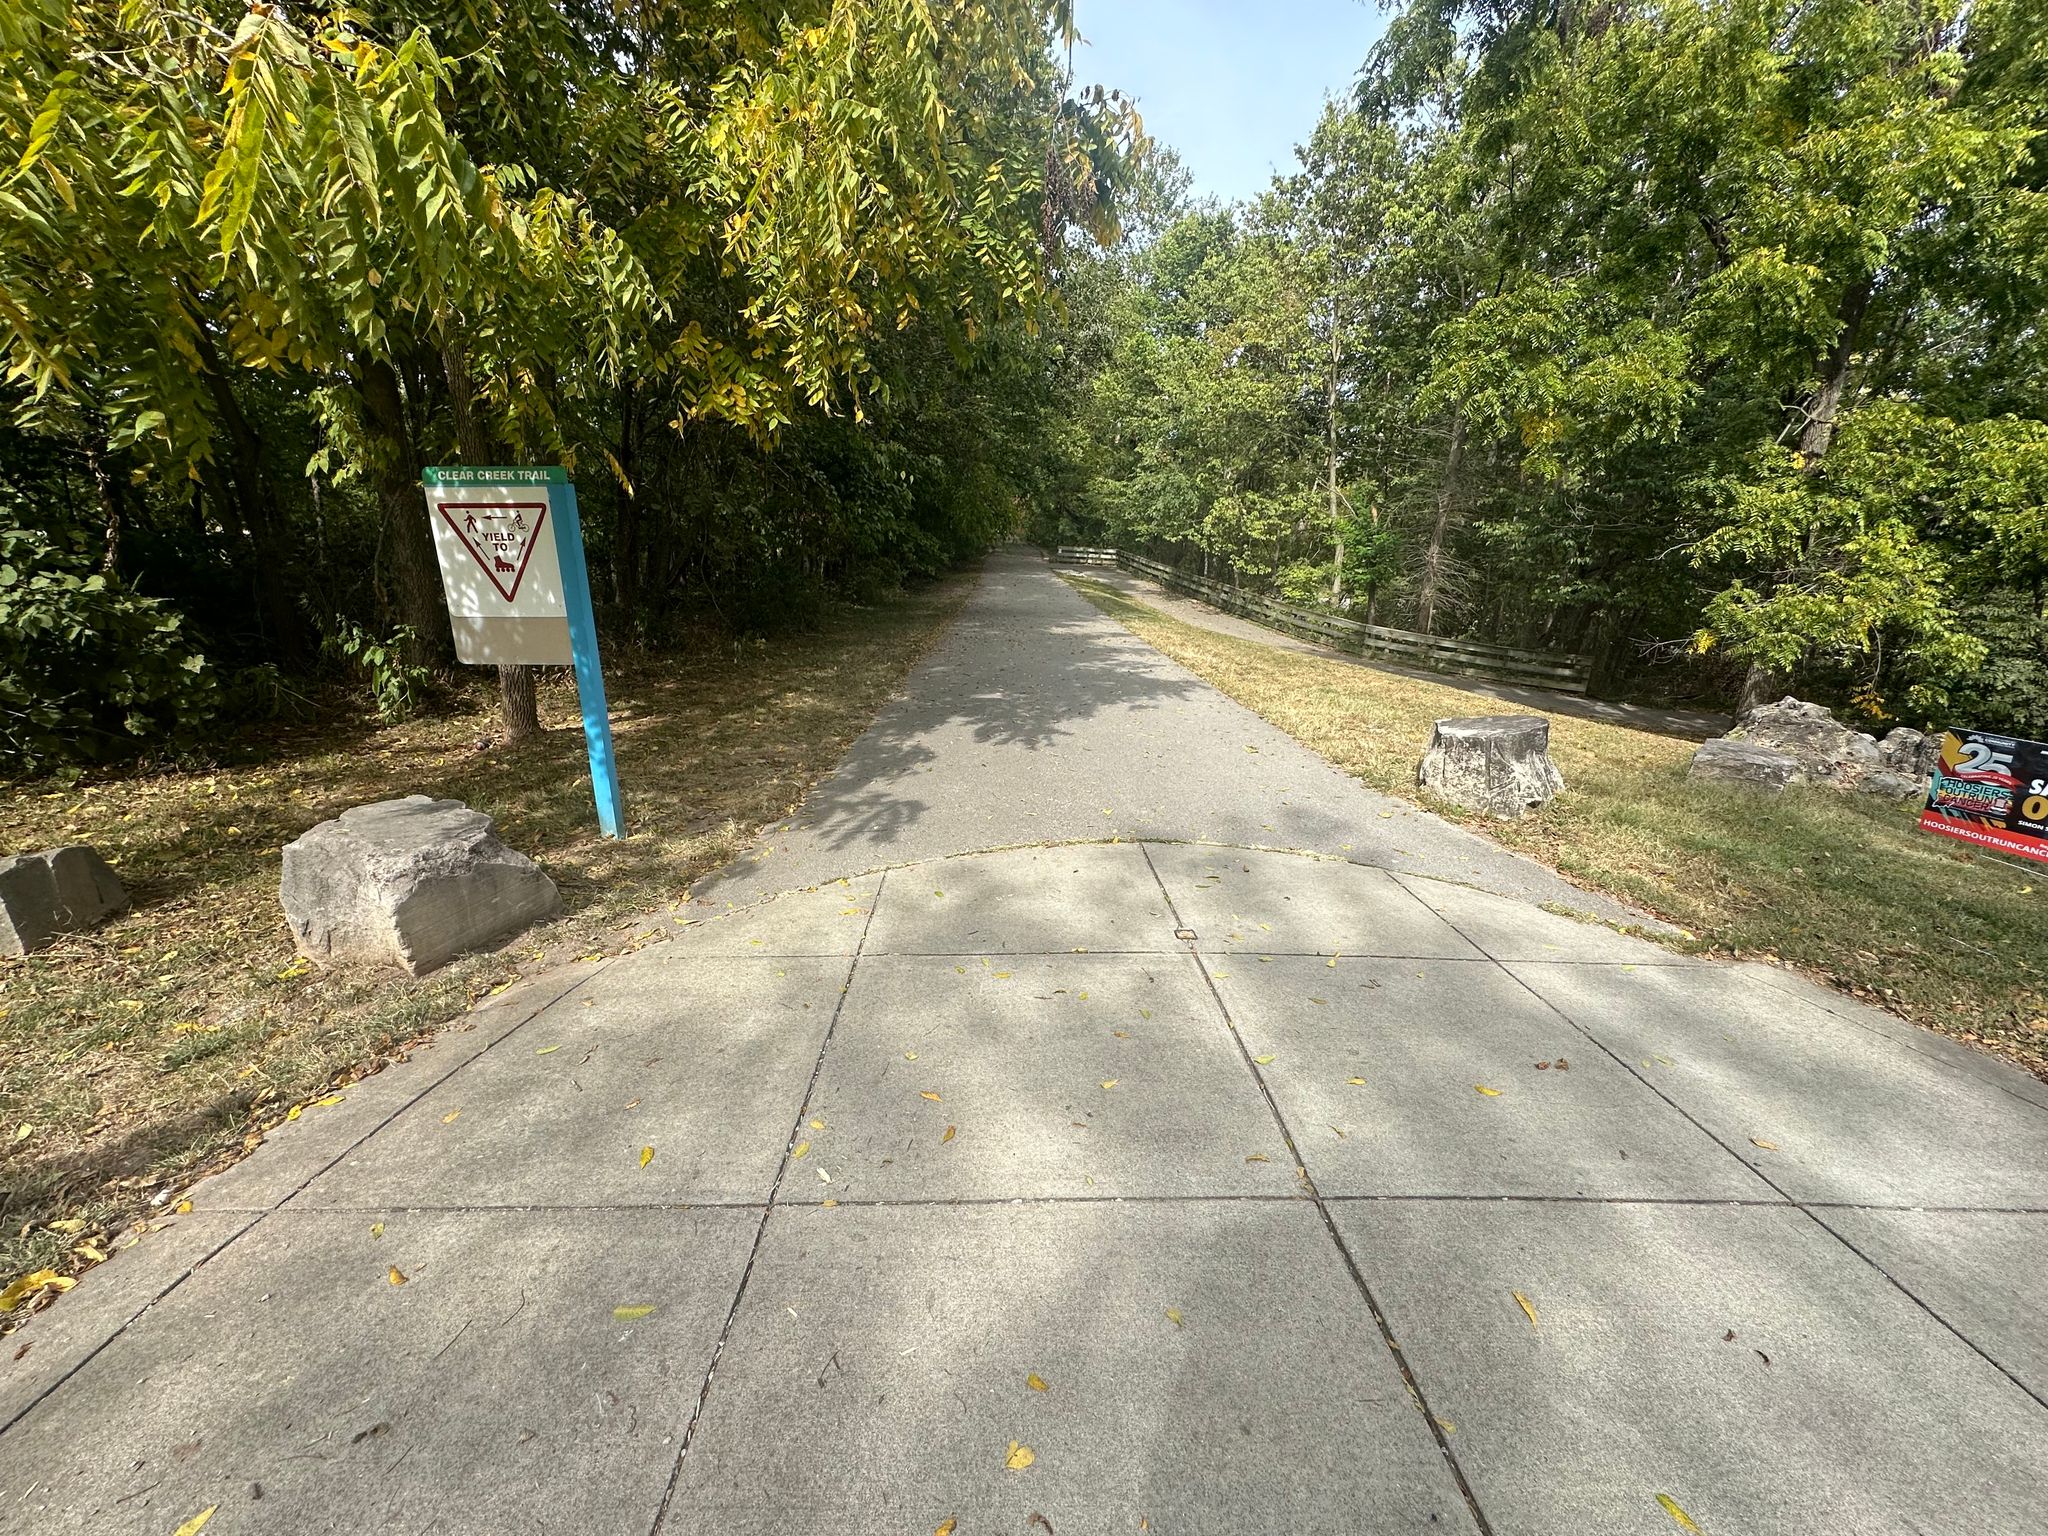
(1356, 1082)
(1768, 1146)
(1110, 1082)
(646, 1156)
(947, 1137)
(398, 1276)
(547, 1050)
(928, 1094)
(1265, 1061)
(197, 1523)
(34, 1285)
(632, 1314)
(1523, 1302)
(1173, 1316)
(946, 1527)
(1491, 1093)
(1020, 1457)
(800, 1149)
(1036, 1382)
(1670, 1507)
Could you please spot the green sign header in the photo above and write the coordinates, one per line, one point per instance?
(478, 474)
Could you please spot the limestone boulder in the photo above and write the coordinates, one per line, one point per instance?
(61, 890)
(1826, 751)
(412, 882)
(1911, 754)
(1892, 786)
(1498, 765)
(1728, 760)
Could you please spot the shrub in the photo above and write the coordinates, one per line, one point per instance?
(90, 670)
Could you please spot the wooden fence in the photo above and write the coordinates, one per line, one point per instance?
(1070, 554)
(1467, 658)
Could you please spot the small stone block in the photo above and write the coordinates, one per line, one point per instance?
(412, 882)
(1496, 764)
(61, 890)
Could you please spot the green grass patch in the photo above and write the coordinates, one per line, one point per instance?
(1844, 886)
(164, 1043)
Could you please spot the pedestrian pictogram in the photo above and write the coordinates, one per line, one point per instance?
(500, 536)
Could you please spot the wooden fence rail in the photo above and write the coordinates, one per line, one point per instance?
(1466, 658)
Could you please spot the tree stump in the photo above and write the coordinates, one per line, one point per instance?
(1496, 764)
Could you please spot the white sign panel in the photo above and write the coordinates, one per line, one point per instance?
(500, 567)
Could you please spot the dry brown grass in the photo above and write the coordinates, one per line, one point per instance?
(166, 1040)
(1840, 885)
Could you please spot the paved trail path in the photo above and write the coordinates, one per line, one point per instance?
(1107, 1187)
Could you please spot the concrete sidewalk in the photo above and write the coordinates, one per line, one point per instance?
(1132, 1186)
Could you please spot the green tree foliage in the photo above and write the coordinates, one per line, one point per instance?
(769, 278)
(1699, 335)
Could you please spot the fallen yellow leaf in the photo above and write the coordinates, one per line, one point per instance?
(1020, 1457)
(1447, 1426)
(1035, 1382)
(910, 1055)
(1173, 1316)
(646, 1156)
(332, 1098)
(397, 1275)
(191, 1527)
(800, 1149)
(294, 1112)
(547, 1050)
(828, 1204)
(1491, 1093)
(946, 1527)
(947, 1137)
(183, 1208)
(1768, 1146)
(1111, 1082)
(1264, 1061)
(927, 1094)
(1671, 1508)
(1356, 1082)
(451, 1117)
(1002, 975)
(631, 1314)
(29, 1285)
(1523, 1302)
(1258, 1157)
(376, 1229)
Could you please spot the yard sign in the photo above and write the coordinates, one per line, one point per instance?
(511, 551)
(1991, 791)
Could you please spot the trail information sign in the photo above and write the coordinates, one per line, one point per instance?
(1991, 791)
(510, 544)
(500, 564)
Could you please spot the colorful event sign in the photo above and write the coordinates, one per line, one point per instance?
(1991, 791)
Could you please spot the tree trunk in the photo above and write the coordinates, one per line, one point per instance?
(1336, 521)
(1821, 407)
(394, 468)
(1761, 685)
(516, 691)
(253, 497)
(1430, 590)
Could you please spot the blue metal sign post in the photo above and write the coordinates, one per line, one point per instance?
(597, 725)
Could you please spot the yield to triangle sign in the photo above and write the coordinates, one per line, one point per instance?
(499, 535)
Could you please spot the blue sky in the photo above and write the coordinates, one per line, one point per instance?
(1233, 85)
